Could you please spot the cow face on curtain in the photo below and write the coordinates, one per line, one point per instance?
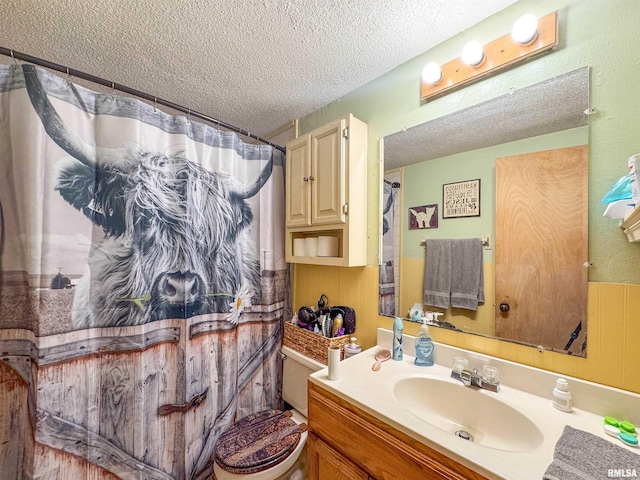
(175, 232)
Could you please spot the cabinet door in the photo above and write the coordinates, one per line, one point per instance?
(328, 173)
(298, 189)
(327, 464)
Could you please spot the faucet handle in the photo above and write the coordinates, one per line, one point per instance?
(460, 364)
(490, 374)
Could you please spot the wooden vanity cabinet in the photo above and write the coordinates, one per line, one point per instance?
(325, 462)
(347, 443)
(326, 188)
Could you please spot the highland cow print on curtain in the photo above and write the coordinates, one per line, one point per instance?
(142, 284)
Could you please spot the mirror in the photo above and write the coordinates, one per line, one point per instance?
(548, 119)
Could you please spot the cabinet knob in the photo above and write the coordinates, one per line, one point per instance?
(305, 179)
(504, 307)
(312, 178)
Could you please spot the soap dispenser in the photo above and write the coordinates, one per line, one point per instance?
(424, 346)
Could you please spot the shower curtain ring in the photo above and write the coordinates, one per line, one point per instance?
(68, 76)
(15, 62)
(189, 117)
(155, 104)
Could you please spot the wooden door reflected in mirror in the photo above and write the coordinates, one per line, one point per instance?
(541, 248)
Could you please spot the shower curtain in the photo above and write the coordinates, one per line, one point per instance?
(390, 261)
(142, 283)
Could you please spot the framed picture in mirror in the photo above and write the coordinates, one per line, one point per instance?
(425, 216)
(461, 199)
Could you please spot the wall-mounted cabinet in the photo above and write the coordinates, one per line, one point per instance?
(327, 194)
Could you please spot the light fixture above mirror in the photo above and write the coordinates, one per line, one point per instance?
(525, 29)
(529, 37)
(473, 54)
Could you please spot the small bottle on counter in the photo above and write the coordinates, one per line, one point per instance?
(352, 348)
(562, 398)
(397, 339)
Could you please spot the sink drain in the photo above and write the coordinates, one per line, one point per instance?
(464, 435)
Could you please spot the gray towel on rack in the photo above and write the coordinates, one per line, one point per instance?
(580, 455)
(467, 273)
(437, 273)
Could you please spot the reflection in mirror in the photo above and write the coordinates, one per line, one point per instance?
(390, 262)
(528, 148)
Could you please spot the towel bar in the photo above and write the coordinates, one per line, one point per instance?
(486, 242)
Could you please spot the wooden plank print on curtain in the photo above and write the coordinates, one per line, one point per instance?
(142, 284)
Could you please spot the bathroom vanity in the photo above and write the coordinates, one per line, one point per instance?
(348, 440)
(404, 421)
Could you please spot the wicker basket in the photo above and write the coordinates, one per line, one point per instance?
(312, 345)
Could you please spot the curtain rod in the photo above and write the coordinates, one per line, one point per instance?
(122, 88)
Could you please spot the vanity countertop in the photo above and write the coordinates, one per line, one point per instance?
(373, 393)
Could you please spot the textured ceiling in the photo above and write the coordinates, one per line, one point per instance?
(256, 64)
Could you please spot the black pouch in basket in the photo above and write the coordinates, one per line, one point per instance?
(307, 318)
(348, 318)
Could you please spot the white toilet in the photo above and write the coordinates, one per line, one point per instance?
(278, 441)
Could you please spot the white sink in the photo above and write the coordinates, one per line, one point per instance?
(462, 411)
(515, 430)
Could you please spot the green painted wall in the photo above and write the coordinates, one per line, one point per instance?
(602, 34)
(422, 185)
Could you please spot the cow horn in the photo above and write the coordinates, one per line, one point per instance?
(248, 191)
(55, 127)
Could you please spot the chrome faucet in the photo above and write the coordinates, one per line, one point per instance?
(473, 378)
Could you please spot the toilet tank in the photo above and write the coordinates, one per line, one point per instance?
(296, 369)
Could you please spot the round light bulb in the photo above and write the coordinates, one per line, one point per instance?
(431, 74)
(472, 53)
(525, 29)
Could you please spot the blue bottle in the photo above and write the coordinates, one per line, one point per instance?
(397, 339)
